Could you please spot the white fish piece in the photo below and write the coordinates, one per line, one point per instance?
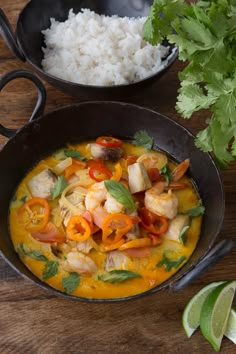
(176, 225)
(106, 153)
(138, 178)
(79, 263)
(84, 246)
(116, 260)
(41, 184)
(76, 201)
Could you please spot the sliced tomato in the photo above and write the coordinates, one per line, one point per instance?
(93, 162)
(155, 175)
(109, 141)
(49, 234)
(130, 159)
(99, 172)
(147, 216)
(138, 252)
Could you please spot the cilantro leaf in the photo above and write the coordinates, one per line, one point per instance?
(71, 282)
(196, 211)
(50, 269)
(118, 276)
(120, 193)
(205, 34)
(38, 256)
(75, 154)
(59, 187)
(142, 138)
(183, 236)
(169, 264)
(165, 171)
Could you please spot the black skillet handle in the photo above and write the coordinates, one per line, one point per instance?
(8, 35)
(218, 252)
(40, 105)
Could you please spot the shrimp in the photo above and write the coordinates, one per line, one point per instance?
(98, 196)
(79, 263)
(153, 159)
(160, 203)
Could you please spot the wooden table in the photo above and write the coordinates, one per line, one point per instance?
(33, 321)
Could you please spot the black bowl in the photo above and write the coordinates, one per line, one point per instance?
(35, 17)
(74, 124)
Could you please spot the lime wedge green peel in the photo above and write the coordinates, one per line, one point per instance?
(230, 331)
(215, 313)
(191, 315)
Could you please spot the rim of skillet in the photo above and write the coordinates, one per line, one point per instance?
(175, 276)
(166, 63)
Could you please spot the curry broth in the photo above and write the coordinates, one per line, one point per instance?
(91, 286)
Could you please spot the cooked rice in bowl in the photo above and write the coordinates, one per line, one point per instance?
(92, 49)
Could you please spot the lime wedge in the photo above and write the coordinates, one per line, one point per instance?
(230, 331)
(191, 314)
(215, 313)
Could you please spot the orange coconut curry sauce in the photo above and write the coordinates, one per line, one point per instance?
(105, 219)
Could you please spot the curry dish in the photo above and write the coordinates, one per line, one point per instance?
(106, 219)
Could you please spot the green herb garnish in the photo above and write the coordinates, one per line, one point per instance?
(120, 193)
(23, 199)
(21, 249)
(205, 34)
(142, 138)
(118, 276)
(71, 282)
(196, 211)
(50, 269)
(170, 263)
(59, 187)
(183, 236)
(75, 154)
(165, 171)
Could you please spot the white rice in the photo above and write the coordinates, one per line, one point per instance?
(94, 49)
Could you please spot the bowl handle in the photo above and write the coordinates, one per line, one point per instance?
(8, 35)
(40, 105)
(218, 252)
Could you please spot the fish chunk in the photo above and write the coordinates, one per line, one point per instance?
(106, 153)
(116, 260)
(175, 227)
(41, 184)
(79, 263)
(138, 178)
(76, 201)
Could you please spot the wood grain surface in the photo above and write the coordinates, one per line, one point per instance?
(32, 321)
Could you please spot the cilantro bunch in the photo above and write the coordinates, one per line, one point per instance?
(205, 34)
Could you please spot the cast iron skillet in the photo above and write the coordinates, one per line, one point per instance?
(73, 124)
(26, 44)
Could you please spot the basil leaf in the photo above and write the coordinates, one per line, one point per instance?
(71, 282)
(170, 263)
(183, 236)
(75, 154)
(120, 193)
(196, 211)
(59, 187)
(118, 276)
(21, 249)
(50, 269)
(142, 138)
(165, 171)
